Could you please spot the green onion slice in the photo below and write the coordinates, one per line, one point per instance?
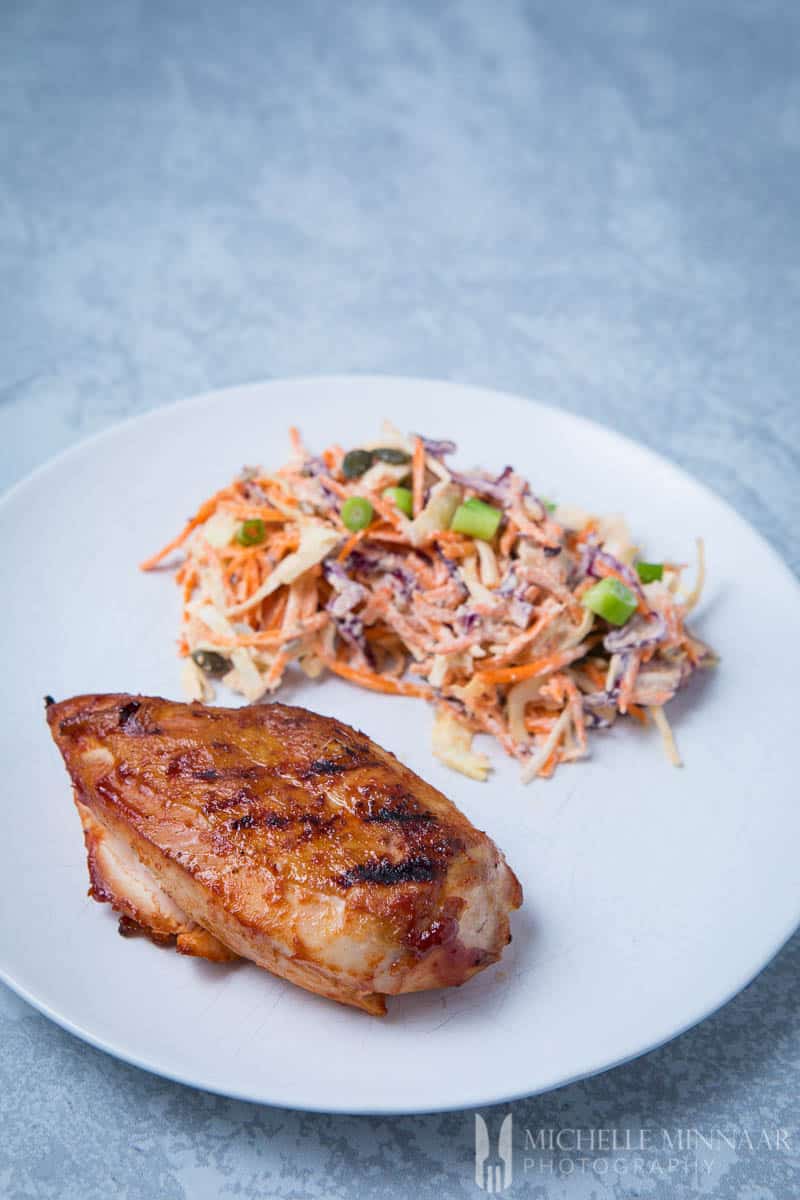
(402, 497)
(611, 600)
(251, 533)
(356, 513)
(476, 519)
(649, 572)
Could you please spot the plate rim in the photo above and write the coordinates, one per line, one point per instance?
(484, 1097)
(387, 1110)
(117, 427)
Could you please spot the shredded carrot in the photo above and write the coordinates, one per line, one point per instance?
(418, 475)
(455, 544)
(597, 676)
(341, 490)
(498, 638)
(390, 514)
(379, 633)
(267, 639)
(539, 724)
(394, 539)
(200, 517)
(261, 511)
(549, 765)
(350, 545)
(508, 537)
(296, 442)
(376, 683)
(276, 607)
(189, 583)
(518, 644)
(273, 675)
(575, 704)
(584, 534)
(284, 543)
(539, 666)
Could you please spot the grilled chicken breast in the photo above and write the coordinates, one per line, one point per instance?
(285, 837)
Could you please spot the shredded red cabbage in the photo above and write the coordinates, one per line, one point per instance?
(637, 634)
(437, 447)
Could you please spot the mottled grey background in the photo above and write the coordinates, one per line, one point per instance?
(591, 203)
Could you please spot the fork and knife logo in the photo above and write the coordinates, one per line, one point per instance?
(493, 1170)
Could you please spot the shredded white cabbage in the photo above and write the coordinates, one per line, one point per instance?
(519, 696)
(207, 611)
(667, 736)
(658, 595)
(490, 576)
(438, 671)
(219, 529)
(437, 513)
(694, 595)
(382, 475)
(616, 537)
(315, 542)
(437, 468)
(571, 517)
(245, 676)
(537, 761)
(451, 742)
(444, 663)
(311, 665)
(211, 588)
(390, 437)
(469, 573)
(194, 682)
(614, 671)
(295, 513)
(587, 621)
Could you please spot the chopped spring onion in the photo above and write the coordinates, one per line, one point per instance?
(356, 513)
(548, 504)
(649, 572)
(611, 600)
(356, 462)
(390, 454)
(402, 497)
(251, 533)
(476, 519)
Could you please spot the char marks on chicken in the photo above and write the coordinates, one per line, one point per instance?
(285, 837)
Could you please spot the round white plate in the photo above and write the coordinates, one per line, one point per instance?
(652, 895)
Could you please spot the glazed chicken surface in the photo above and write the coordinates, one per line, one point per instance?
(285, 837)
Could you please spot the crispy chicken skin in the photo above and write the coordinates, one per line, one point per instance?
(285, 837)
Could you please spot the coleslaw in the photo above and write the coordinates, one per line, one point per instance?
(532, 622)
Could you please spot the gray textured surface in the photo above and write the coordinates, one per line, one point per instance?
(593, 204)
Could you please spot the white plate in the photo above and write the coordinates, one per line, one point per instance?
(652, 895)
